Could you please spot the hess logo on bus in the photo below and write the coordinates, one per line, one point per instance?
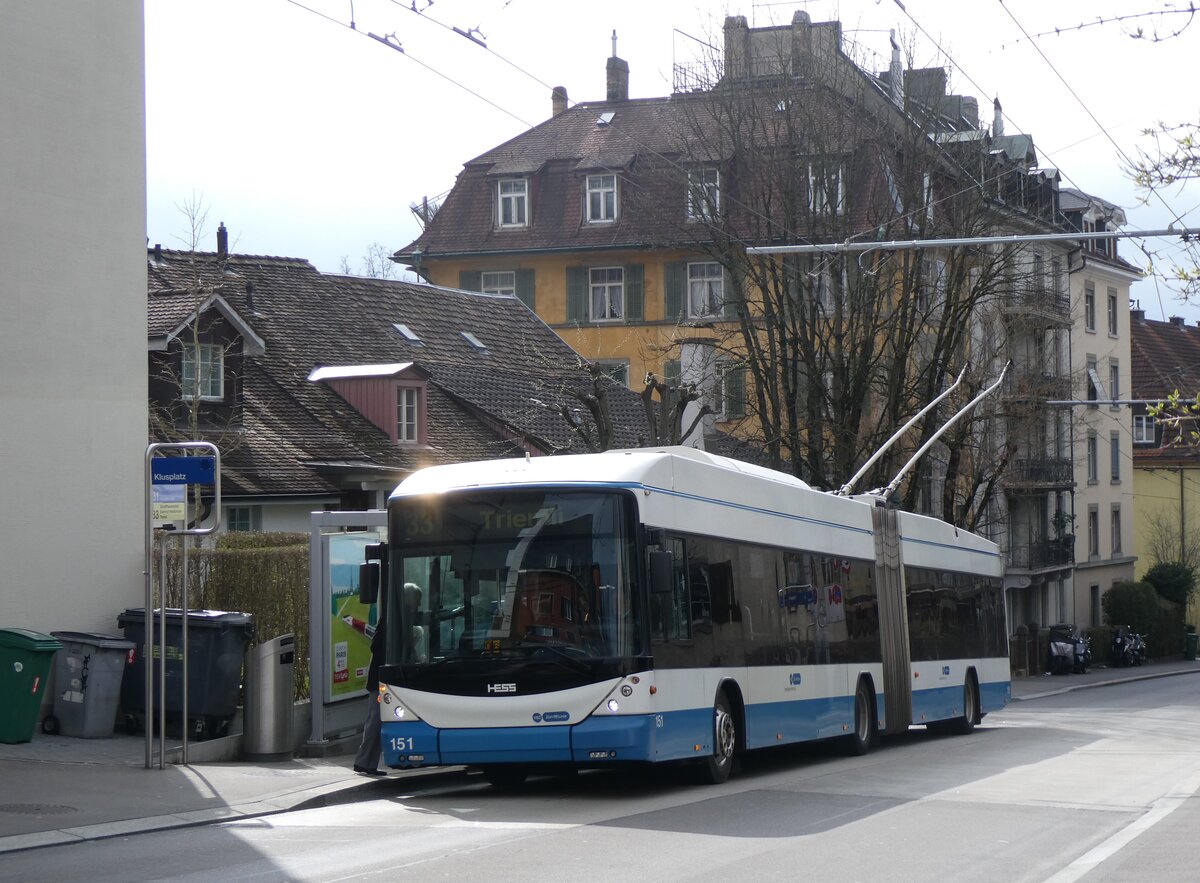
(502, 688)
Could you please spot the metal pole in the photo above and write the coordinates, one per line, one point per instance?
(148, 624)
(183, 630)
(162, 663)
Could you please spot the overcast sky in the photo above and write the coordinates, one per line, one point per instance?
(311, 139)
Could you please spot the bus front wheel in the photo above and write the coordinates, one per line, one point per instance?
(715, 768)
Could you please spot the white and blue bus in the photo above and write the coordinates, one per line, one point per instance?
(668, 605)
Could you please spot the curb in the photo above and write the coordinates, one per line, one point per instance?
(332, 794)
(1128, 679)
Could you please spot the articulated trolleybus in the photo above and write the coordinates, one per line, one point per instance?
(668, 605)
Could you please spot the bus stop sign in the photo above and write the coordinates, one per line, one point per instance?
(183, 470)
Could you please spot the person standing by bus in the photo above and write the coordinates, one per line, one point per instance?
(366, 759)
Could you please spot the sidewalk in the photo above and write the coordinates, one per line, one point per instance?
(57, 789)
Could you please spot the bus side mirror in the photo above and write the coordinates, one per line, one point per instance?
(368, 582)
(662, 570)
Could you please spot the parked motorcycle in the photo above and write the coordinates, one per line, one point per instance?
(1128, 647)
(1069, 650)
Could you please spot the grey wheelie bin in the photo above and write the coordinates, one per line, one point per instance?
(87, 684)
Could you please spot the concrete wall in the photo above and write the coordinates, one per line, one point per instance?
(72, 312)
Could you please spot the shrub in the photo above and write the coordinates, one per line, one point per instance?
(1175, 582)
(1134, 604)
(264, 574)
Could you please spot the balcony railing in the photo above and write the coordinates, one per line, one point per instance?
(1042, 554)
(1042, 471)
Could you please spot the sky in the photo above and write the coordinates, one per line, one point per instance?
(309, 137)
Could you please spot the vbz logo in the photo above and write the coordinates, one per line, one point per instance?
(945, 671)
(502, 688)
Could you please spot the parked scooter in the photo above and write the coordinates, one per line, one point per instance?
(1128, 647)
(1069, 650)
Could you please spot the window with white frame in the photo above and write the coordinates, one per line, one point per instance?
(729, 391)
(601, 198)
(1114, 456)
(1112, 312)
(826, 191)
(606, 287)
(1143, 429)
(706, 289)
(1116, 529)
(239, 519)
(704, 194)
(1114, 381)
(1093, 528)
(407, 402)
(202, 372)
(1093, 454)
(498, 282)
(513, 202)
(1089, 306)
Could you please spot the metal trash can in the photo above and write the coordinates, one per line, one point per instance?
(217, 642)
(25, 659)
(268, 728)
(87, 684)
(1189, 645)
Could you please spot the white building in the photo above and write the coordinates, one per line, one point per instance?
(73, 327)
(1100, 368)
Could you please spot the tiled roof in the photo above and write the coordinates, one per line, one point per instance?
(297, 436)
(1166, 357)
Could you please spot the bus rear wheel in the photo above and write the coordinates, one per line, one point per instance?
(859, 742)
(715, 768)
(964, 725)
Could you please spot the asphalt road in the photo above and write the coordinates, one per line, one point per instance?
(1095, 785)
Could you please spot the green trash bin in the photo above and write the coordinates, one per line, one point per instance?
(25, 659)
(1189, 645)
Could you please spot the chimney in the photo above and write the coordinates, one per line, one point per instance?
(1178, 321)
(222, 241)
(618, 75)
(970, 111)
(997, 120)
(896, 74)
(157, 253)
(558, 100)
(250, 295)
(1138, 315)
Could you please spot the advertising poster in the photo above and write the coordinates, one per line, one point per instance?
(352, 623)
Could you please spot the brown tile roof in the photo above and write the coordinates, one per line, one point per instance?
(1166, 357)
(298, 436)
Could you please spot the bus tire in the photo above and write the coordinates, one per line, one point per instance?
(860, 740)
(965, 724)
(506, 775)
(715, 769)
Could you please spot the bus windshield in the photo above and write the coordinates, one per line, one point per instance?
(511, 575)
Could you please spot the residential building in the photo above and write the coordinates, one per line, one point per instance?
(623, 223)
(72, 240)
(1166, 456)
(1102, 520)
(322, 392)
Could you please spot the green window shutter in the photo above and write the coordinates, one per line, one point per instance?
(674, 285)
(470, 280)
(635, 275)
(731, 293)
(735, 393)
(671, 370)
(576, 294)
(525, 288)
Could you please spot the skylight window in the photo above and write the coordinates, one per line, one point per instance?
(474, 341)
(407, 333)
(605, 118)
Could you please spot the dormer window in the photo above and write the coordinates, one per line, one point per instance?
(704, 194)
(601, 199)
(826, 190)
(513, 202)
(202, 373)
(408, 400)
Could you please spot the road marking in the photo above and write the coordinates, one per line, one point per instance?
(1159, 810)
